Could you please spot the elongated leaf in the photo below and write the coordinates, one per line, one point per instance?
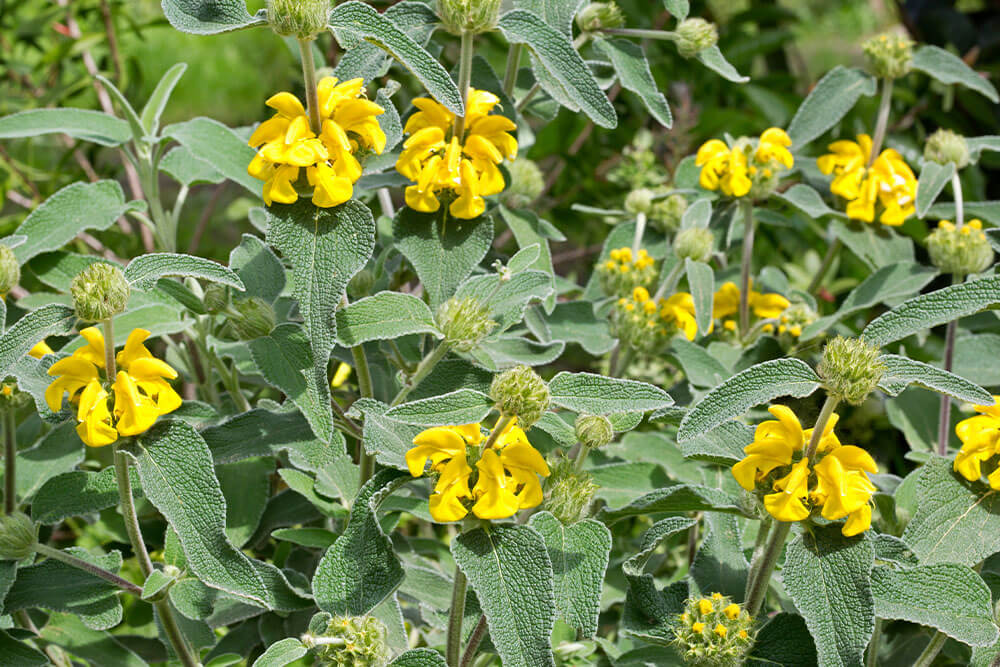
(678, 8)
(281, 653)
(507, 300)
(827, 576)
(875, 245)
(783, 642)
(633, 72)
(384, 315)
(600, 395)
(933, 178)
(579, 554)
(369, 61)
(829, 101)
(497, 354)
(258, 267)
(95, 126)
(701, 282)
(360, 570)
(211, 140)
(902, 372)
(464, 406)
(68, 631)
(756, 385)
(951, 598)
(948, 68)
(74, 209)
(77, 493)
(387, 439)
(807, 200)
(157, 102)
(419, 657)
(510, 571)
(713, 59)
(574, 322)
(365, 22)
(261, 432)
(929, 310)
(209, 17)
(18, 654)
(719, 565)
(556, 53)
(145, 270)
(979, 144)
(679, 499)
(51, 320)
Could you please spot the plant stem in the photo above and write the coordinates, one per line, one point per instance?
(640, 230)
(497, 430)
(956, 188)
(528, 96)
(581, 456)
(9, 461)
(474, 640)
(81, 564)
(642, 34)
(758, 551)
(930, 652)
(464, 77)
(309, 79)
(231, 381)
(882, 120)
(670, 282)
(510, 74)
(364, 373)
(748, 233)
(872, 658)
(829, 405)
(621, 361)
(455, 617)
(109, 351)
(944, 414)
(832, 249)
(426, 365)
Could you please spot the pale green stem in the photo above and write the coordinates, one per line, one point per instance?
(621, 360)
(474, 640)
(832, 249)
(361, 368)
(640, 231)
(670, 282)
(455, 616)
(231, 380)
(309, 80)
(944, 414)
(758, 550)
(464, 77)
(882, 120)
(642, 34)
(528, 96)
(934, 647)
(426, 365)
(498, 428)
(90, 568)
(109, 351)
(10, 461)
(871, 659)
(956, 188)
(581, 456)
(513, 62)
(748, 234)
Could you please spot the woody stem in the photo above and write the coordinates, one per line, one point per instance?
(882, 120)
(464, 78)
(748, 234)
(309, 78)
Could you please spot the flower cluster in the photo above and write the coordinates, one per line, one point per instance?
(960, 251)
(795, 318)
(980, 436)
(713, 631)
(744, 168)
(506, 472)
(837, 484)
(141, 389)
(465, 166)
(888, 182)
(622, 272)
(287, 143)
(726, 303)
(647, 325)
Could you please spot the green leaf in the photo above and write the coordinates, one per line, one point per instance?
(187, 169)
(784, 642)
(360, 570)
(875, 245)
(723, 445)
(902, 372)
(145, 270)
(829, 101)
(314, 538)
(701, 282)
(442, 250)
(951, 598)
(574, 322)
(956, 521)
(633, 72)
(949, 68)
(77, 493)
(619, 484)
(556, 53)
(210, 17)
(507, 300)
(756, 385)
(497, 354)
(157, 102)
(18, 654)
(68, 632)
(384, 315)
(71, 210)
(700, 367)
(326, 247)
(96, 126)
(713, 59)
(676, 499)
(579, 554)
(929, 310)
(977, 145)
(58, 451)
(261, 432)
(386, 438)
(226, 150)
(258, 267)
(369, 61)
(679, 9)
(51, 320)
(156, 583)
(933, 178)
(282, 653)
(807, 200)
(363, 21)
(970, 350)
(464, 406)
(600, 395)
(286, 362)
(510, 571)
(246, 486)
(988, 211)
(827, 577)
(720, 566)
(419, 657)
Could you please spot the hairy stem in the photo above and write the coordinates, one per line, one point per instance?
(832, 248)
(956, 188)
(109, 351)
(871, 659)
(90, 568)
(748, 234)
(581, 456)
(882, 120)
(944, 414)
(510, 74)
(455, 618)
(309, 80)
(640, 230)
(9, 461)
(474, 640)
(930, 652)
(641, 34)
(426, 365)
(464, 77)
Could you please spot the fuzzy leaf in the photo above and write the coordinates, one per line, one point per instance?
(784, 642)
(464, 406)
(258, 267)
(209, 17)
(419, 657)
(95, 126)
(807, 200)
(384, 315)
(228, 152)
(574, 322)
(145, 270)
(77, 493)
(282, 653)
(713, 59)
(948, 68)
(902, 372)
(601, 395)
(719, 565)
(50, 320)
(701, 282)
(678, 498)
(633, 72)
(829, 101)
(979, 144)
(369, 61)
(933, 178)
(19, 654)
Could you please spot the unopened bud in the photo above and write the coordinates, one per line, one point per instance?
(302, 19)
(695, 35)
(694, 243)
(17, 536)
(99, 292)
(639, 201)
(594, 431)
(960, 251)
(464, 322)
(520, 392)
(569, 492)
(350, 641)
(526, 183)
(474, 16)
(600, 15)
(667, 213)
(851, 369)
(10, 270)
(945, 146)
(252, 318)
(713, 632)
(216, 298)
(889, 56)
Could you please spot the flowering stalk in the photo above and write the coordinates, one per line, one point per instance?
(640, 230)
(10, 461)
(944, 414)
(926, 658)
(455, 617)
(426, 365)
(871, 660)
(956, 188)
(309, 78)
(881, 121)
(748, 234)
(90, 568)
(109, 350)
(510, 74)
(464, 79)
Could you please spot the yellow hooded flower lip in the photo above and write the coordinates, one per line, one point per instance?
(493, 490)
(980, 437)
(726, 302)
(95, 424)
(774, 444)
(888, 181)
(72, 375)
(39, 350)
(728, 169)
(134, 412)
(788, 502)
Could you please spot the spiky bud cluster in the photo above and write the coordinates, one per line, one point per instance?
(252, 318)
(622, 271)
(639, 201)
(694, 243)
(599, 16)
(10, 270)
(889, 56)
(946, 146)
(302, 19)
(795, 318)
(594, 431)
(960, 251)
(713, 632)
(526, 183)
(695, 35)
(666, 213)
(851, 369)
(17, 536)
(99, 292)
(475, 16)
(569, 492)
(465, 322)
(520, 392)
(348, 641)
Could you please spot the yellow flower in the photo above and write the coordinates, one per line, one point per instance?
(842, 485)
(340, 375)
(698, 627)
(721, 630)
(679, 310)
(739, 170)
(792, 490)
(40, 349)
(773, 147)
(148, 373)
(888, 182)
(286, 143)
(95, 425)
(980, 436)
(705, 606)
(773, 445)
(726, 303)
(466, 167)
(732, 612)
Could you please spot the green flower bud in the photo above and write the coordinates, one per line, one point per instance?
(569, 492)
(10, 270)
(594, 431)
(695, 35)
(348, 641)
(17, 536)
(960, 251)
(302, 19)
(216, 298)
(526, 183)
(520, 392)
(464, 322)
(851, 369)
(945, 146)
(475, 16)
(622, 271)
(694, 243)
(667, 213)
(889, 56)
(639, 201)
(713, 632)
(598, 15)
(99, 292)
(361, 284)
(252, 318)
(795, 318)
